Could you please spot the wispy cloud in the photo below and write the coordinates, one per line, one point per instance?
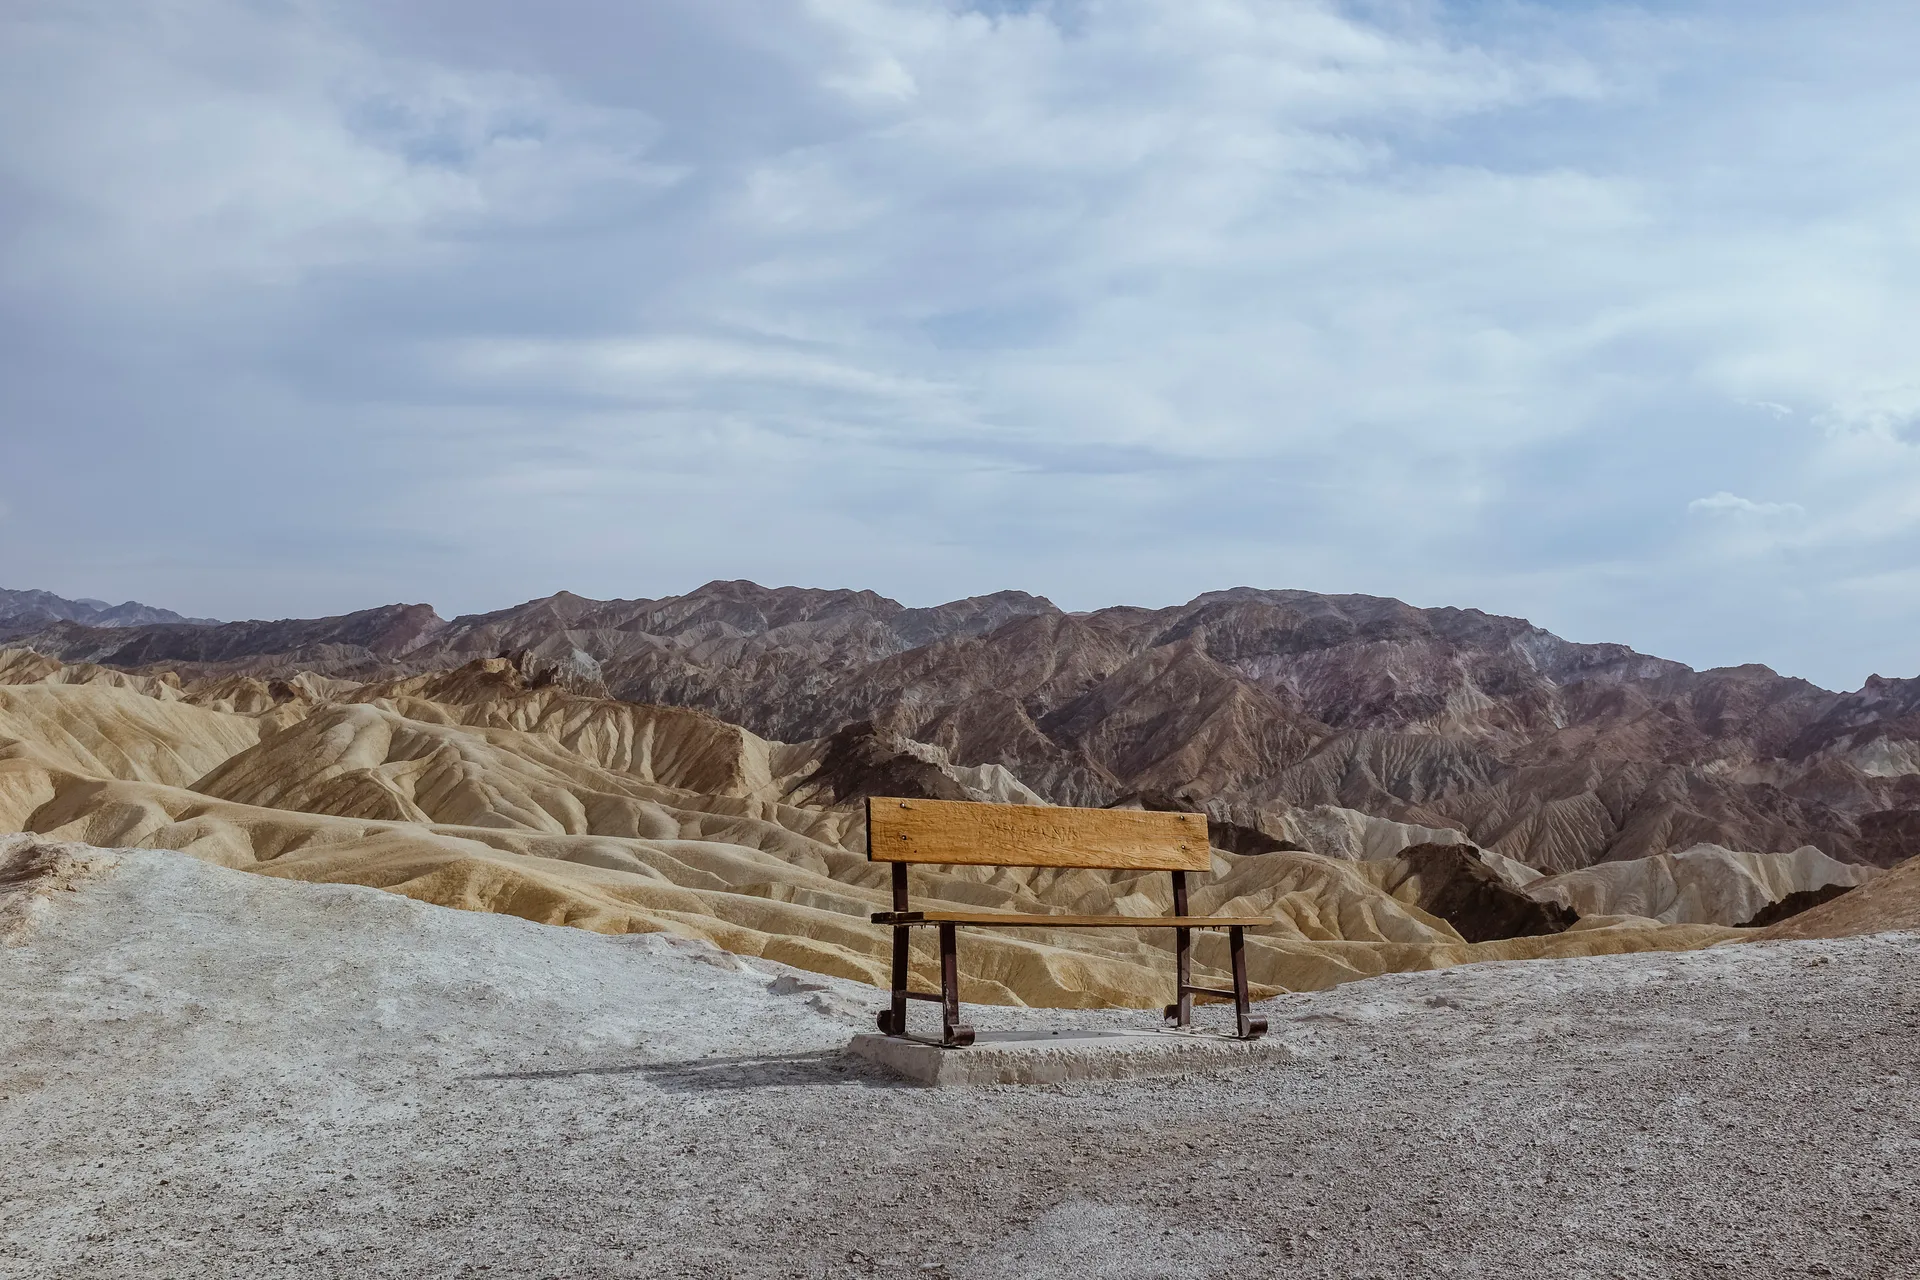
(1725, 504)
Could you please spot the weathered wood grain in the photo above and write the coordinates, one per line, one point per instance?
(960, 833)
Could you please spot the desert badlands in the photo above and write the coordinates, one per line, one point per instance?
(528, 944)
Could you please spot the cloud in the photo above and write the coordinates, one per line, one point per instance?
(1887, 412)
(1724, 503)
(1114, 302)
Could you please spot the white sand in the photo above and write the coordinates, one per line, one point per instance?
(211, 1073)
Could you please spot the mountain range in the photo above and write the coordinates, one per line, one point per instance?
(22, 612)
(1266, 708)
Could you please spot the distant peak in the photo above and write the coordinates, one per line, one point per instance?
(21, 611)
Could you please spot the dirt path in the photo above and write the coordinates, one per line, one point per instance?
(210, 1073)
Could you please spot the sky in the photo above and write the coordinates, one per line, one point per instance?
(1602, 315)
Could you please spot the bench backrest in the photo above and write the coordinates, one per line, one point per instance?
(964, 833)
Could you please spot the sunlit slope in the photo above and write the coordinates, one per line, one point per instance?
(107, 732)
(474, 790)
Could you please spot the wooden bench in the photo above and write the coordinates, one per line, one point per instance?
(955, 833)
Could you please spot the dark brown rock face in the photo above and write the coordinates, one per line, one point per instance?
(1226, 833)
(1454, 884)
(1889, 837)
(1554, 753)
(1793, 904)
(861, 761)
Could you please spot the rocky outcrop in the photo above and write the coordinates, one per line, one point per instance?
(861, 761)
(1706, 884)
(1451, 882)
(1226, 830)
(1794, 903)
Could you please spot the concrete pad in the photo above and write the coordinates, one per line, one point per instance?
(1049, 1057)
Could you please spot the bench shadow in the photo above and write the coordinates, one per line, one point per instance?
(828, 1067)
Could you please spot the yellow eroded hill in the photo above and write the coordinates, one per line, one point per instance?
(473, 790)
(107, 732)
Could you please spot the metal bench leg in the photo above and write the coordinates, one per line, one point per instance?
(1180, 1012)
(1248, 1026)
(953, 1033)
(893, 1018)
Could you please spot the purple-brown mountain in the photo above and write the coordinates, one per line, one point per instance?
(23, 612)
(1247, 702)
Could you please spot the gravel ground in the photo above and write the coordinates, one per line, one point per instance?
(207, 1073)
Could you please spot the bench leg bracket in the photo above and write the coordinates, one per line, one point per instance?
(953, 1033)
(1246, 1025)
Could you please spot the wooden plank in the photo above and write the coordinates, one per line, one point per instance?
(1007, 920)
(960, 833)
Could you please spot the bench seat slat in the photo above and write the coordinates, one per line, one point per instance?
(1011, 921)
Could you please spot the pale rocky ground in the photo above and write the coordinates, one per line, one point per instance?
(210, 1073)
